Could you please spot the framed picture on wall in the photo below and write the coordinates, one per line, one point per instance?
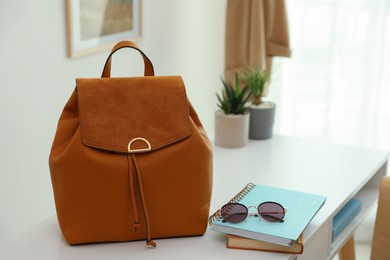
(96, 25)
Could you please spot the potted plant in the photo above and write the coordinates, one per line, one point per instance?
(232, 121)
(262, 113)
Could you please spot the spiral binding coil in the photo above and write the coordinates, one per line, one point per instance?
(217, 215)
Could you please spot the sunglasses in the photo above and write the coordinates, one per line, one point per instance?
(269, 210)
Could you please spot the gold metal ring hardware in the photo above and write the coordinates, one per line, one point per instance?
(148, 149)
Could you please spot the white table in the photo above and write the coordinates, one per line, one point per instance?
(336, 171)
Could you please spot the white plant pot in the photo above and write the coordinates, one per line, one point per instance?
(231, 131)
(262, 119)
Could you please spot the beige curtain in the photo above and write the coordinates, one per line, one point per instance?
(256, 30)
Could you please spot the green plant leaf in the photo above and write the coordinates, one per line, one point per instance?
(234, 99)
(256, 80)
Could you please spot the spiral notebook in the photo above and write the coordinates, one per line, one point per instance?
(301, 208)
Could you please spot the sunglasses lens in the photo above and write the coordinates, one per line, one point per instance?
(271, 211)
(234, 212)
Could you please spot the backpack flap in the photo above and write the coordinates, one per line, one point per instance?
(133, 114)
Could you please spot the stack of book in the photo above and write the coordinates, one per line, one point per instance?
(237, 242)
(255, 233)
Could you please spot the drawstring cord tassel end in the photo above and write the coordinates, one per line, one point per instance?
(151, 243)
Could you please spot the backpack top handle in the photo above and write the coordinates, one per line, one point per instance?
(149, 71)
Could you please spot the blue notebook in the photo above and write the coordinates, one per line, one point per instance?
(345, 216)
(301, 208)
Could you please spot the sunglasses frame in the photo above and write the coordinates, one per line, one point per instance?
(254, 214)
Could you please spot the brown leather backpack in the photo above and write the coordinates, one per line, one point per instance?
(130, 160)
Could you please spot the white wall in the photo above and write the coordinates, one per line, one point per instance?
(182, 37)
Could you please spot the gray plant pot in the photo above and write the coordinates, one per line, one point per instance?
(231, 131)
(261, 121)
